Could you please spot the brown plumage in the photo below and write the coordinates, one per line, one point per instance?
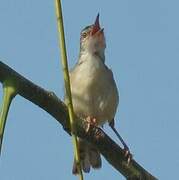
(89, 157)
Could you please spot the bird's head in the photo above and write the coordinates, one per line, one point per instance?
(92, 38)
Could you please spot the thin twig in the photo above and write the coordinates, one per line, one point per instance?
(9, 91)
(67, 84)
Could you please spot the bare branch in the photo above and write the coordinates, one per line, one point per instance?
(54, 106)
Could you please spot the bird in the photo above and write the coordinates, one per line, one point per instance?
(94, 92)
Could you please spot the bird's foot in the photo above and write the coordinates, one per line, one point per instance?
(99, 134)
(90, 122)
(127, 155)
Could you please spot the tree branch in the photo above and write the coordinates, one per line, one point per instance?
(53, 105)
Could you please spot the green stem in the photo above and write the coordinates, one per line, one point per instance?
(67, 83)
(9, 91)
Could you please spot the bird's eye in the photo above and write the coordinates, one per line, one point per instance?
(84, 35)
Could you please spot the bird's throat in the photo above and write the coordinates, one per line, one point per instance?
(85, 55)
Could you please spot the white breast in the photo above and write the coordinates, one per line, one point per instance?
(94, 90)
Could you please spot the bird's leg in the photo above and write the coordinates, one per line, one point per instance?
(126, 148)
(111, 124)
(91, 121)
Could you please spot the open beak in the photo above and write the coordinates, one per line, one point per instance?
(96, 26)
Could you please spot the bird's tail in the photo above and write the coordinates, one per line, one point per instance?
(89, 157)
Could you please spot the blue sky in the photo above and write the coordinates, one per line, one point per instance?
(143, 52)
